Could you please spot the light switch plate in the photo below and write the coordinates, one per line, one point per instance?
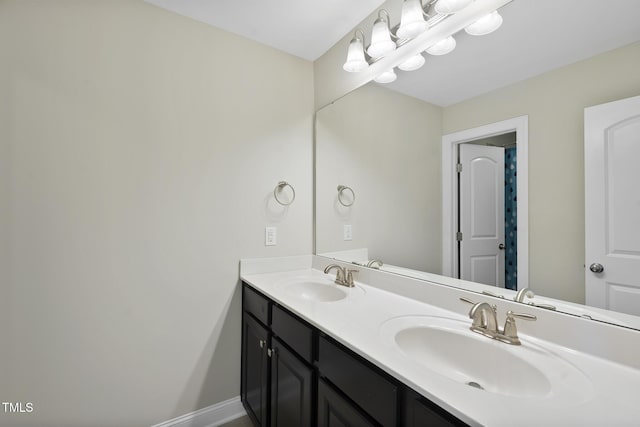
(270, 236)
(347, 232)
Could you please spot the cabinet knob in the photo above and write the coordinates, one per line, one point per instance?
(262, 343)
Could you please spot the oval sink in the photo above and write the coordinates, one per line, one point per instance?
(450, 349)
(317, 289)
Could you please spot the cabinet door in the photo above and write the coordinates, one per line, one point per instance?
(255, 365)
(420, 412)
(335, 411)
(291, 388)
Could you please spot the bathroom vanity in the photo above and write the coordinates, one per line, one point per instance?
(396, 351)
(293, 374)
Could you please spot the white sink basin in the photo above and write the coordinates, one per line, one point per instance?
(317, 289)
(450, 349)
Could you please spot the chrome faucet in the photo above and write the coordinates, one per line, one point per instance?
(522, 293)
(484, 318)
(344, 276)
(485, 322)
(375, 263)
(528, 293)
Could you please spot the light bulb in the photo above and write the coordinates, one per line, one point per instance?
(386, 77)
(485, 25)
(412, 63)
(412, 21)
(447, 7)
(381, 43)
(443, 47)
(355, 57)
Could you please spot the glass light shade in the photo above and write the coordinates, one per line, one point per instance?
(443, 47)
(355, 57)
(412, 63)
(412, 21)
(447, 7)
(386, 77)
(485, 25)
(381, 43)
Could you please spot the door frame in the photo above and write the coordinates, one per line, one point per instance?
(450, 142)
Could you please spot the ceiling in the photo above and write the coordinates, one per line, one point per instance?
(303, 28)
(536, 36)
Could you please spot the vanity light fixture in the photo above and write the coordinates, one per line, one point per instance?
(412, 21)
(485, 25)
(356, 61)
(413, 63)
(446, 7)
(386, 76)
(428, 27)
(442, 47)
(381, 43)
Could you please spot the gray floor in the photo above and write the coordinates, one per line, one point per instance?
(239, 422)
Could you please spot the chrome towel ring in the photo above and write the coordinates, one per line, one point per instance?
(279, 187)
(341, 190)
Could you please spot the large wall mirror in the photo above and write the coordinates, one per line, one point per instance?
(384, 155)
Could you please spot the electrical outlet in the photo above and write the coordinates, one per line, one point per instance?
(270, 236)
(347, 232)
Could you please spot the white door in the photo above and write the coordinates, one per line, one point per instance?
(482, 214)
(612, 205)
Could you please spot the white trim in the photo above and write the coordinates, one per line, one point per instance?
(449, 181)
(211, 416)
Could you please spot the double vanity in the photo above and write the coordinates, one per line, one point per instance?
(391, 350)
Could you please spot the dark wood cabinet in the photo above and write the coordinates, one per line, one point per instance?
(370, 389)
(334, 410)
(420, 412)
(291, 388)
(278, 386)
(254, 389)
(295, 376)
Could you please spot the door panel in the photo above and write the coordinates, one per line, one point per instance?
(612, 205)
(482, 214)
(255, 341)
(483, 268)
(291, 388)
(335, 411)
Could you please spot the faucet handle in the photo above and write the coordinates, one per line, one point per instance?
(510, 330)
(491, 294)
(523, 316)
(468, 301)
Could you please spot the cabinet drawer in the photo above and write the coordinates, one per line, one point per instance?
(374, 393)
(293, 331)
(256, 304)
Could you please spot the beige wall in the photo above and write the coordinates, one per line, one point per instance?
(138, 153)
(386, 146)
(555, 104)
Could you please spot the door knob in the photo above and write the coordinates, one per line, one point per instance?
(501, 246)
(596, 268)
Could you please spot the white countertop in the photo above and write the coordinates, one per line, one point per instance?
(609, 398)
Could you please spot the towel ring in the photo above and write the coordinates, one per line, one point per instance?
(341, 189)
(279, 187)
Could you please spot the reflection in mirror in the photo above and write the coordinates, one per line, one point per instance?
(387, 147)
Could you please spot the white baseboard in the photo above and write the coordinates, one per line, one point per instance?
(211, 416)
